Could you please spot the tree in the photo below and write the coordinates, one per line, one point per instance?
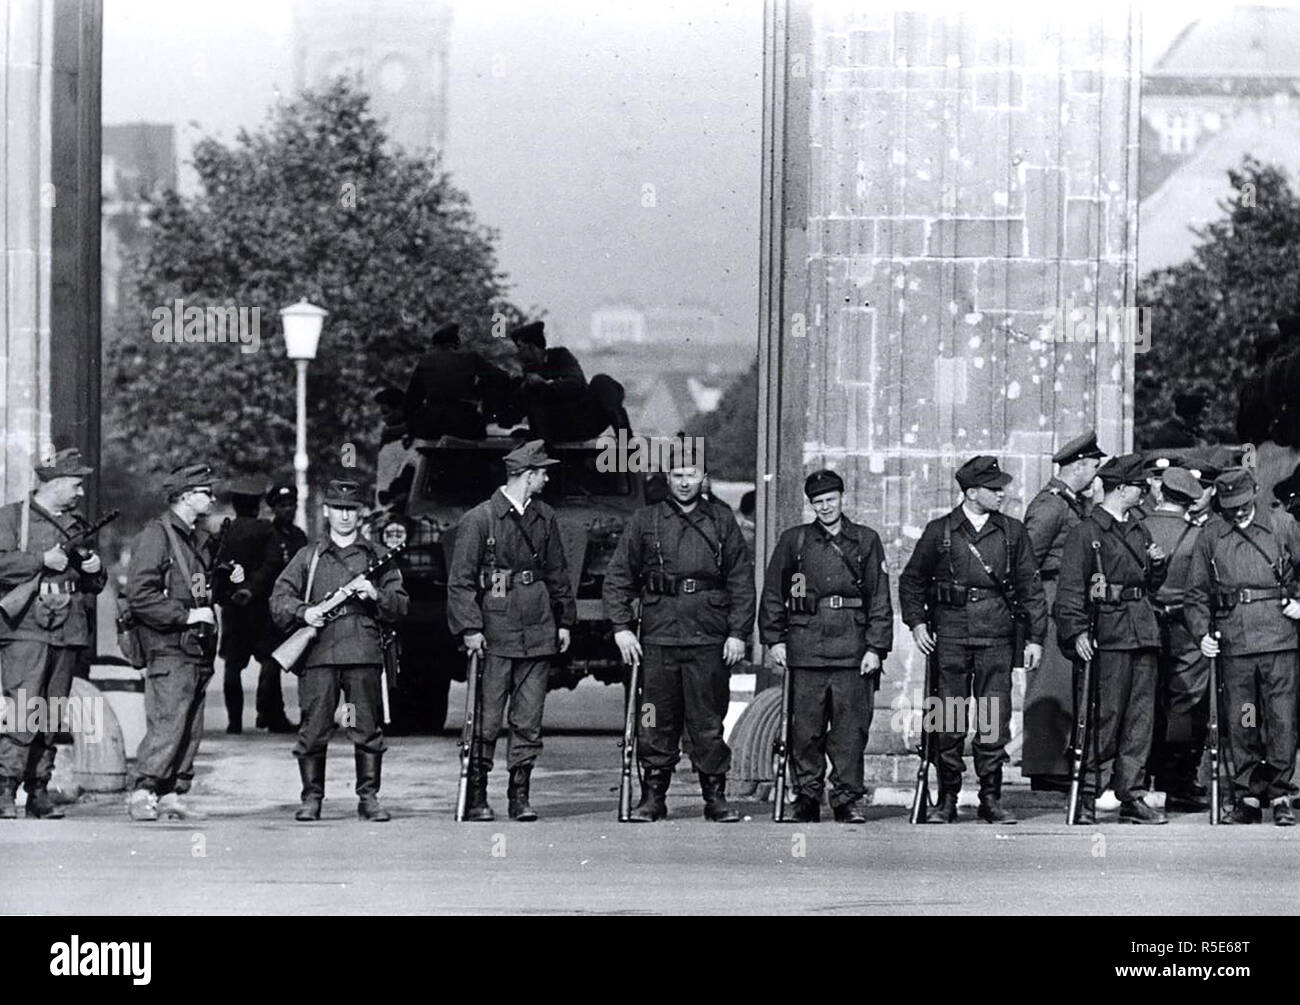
(313, 205)
(1210, 314)
(730, 431)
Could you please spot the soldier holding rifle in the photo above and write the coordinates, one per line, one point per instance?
(43, 633)
(510, 599)
(1127, 643)
(827, 619)
(346, 654)
(1243, 586)
(976, 566)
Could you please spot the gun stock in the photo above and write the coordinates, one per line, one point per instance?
(921, 794)
(291, 650)
(16, 601)
(1078, 743)
(781, 750)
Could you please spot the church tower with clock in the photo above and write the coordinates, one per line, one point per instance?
(398, 49)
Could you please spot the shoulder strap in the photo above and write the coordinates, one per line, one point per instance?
(854, 574)
(523, 532)
(799, 540)
(1272, 563)
(311, 574)
(715, 551)
(178, 553)
(24, 522)
(1187, 529)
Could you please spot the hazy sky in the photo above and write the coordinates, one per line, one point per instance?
(599, 99)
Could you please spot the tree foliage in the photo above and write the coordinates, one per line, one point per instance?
(313, 205)
(1210, 313)
(730, 431)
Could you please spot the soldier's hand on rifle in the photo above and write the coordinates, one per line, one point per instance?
(55, 559)
(91, 564)
(1083, 646)
(924, 640)
(1033, 655)
(1291, 608)
(733, 651)
(314, 616)
(565, 637)
(201, 616)
(870, 663)
(475, 642)
(777, 652)
(1210, 646)
(628, 646)
(365, 588)
(1155, 552)
(237, 573)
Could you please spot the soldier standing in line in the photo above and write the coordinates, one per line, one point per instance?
(287, 539)
(975, 568)
(1056, 510)
(169, 590)
(510, 599)
(685, 558)
(345, 656)
(40, 648)
(826, 614)
(1115, 546)
(1243, 586)
(1182, 706)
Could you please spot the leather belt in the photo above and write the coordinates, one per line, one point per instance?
(1254, 594)
(695, 585)
(835, 602)
(1116, 594)
(64, 586)
(959, 596)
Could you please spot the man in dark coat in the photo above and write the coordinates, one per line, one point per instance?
(972, 577)
(1184, 428)
(685, 558)
(510, 599)
(554, 394)
(826, 616)
(1111, 554)
(442, 398)
(346, 655)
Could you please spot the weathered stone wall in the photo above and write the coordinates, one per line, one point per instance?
(962, 178)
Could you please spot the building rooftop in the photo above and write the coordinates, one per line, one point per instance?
(1240, 42)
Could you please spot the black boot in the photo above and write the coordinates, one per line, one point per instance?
(991, 811)
(8, 789)
(1135, 811)
(312, 772)
(39, 804)
(654, 787)
(517, 794)
(849, 813)
(804, 810)
(369, 774)
(234, 694)
(945, 810)
(476, 804)
(716, 807)
(1087, 811)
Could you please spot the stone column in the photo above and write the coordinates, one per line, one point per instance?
(961, 179)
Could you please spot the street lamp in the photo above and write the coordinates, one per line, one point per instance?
(302, 324)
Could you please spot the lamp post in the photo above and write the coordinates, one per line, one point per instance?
(302, 324)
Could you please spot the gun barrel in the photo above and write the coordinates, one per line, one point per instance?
(629, 745)
(467, 737)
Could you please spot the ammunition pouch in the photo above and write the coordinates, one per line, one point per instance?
(51, 610)
(805, 604)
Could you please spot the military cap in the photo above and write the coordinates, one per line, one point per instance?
(281, 491)
(533, 331)
(1083, 445)
(1235, 487)
(982, 473)
(446, 334)
(531, 455)
(390, 396)
(822, 481)
(64, 464)
(1289, 487)
(184, 477)
(1125, 469)
(1180, 483)
(343, 495)
(249, 485)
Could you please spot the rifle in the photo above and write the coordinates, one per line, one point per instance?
(291, 650)
(391, 648)
(1214, 698)
(15, 602)
(925, 749)
(628, 743)
(781, 749)
(1083, 691)
(467, 737)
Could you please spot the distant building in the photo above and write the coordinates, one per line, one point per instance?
(397, 48)
(137, 159)
(1228, 85)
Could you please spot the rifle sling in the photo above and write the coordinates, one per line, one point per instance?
(716, 552)
(1263, 554)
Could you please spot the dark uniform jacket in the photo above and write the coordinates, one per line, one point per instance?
(1123, 623)
(1052, 514)
(1177, 536)
(62, 600)
(985, 617)
(658, 539)
(562, 373)
(830, 637)
(445, 375)
(160, 595)
(518, 618)
(1224, 556)
(354, 638)
(249, 543)
(1176, 432)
